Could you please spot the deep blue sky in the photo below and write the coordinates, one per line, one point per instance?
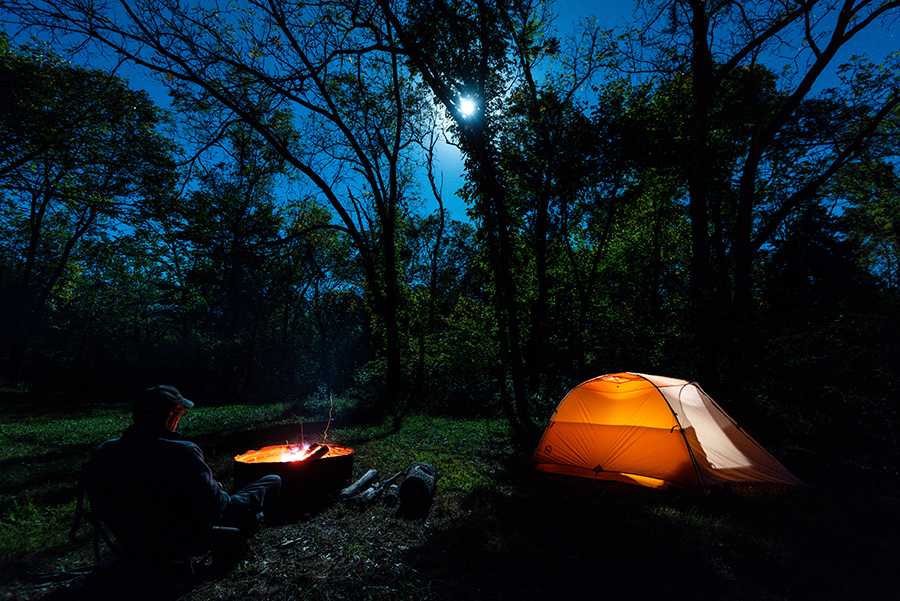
(876, 42)
(610, 13)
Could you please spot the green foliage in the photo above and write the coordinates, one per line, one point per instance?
(580, 260)
(44, 445)
(872, 216)
(460, 370)
(496, 528)
(80, 155)
(825, 318)
(457, 446)
(27, 528)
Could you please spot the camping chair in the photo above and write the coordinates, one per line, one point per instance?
(150, 541)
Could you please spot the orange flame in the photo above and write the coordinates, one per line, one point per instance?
(294, 452)
(290, 453)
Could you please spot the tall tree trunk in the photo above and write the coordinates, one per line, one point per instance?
(539, 310)
(476, 136)
(420, 388)
(496, 220)
(701, 292)
(391, 397)
(31, 304)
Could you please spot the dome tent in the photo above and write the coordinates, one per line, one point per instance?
(653, 431)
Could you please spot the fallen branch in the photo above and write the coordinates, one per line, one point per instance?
(359, 485)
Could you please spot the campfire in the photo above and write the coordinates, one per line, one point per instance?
(291, 452)
(309, 473)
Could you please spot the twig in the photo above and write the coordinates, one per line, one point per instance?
(63, 577)
(288, 543)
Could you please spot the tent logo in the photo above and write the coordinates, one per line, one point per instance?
(548, 449)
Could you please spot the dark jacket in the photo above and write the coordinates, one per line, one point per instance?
(152, 488)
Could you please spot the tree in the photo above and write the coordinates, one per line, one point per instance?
(469, 61)
(81, 153)
(485, 46)
(827, 331)
(549, 153)
(873, 216)
(331, 63)
(231, 223)
(440, 264)
(721, 45)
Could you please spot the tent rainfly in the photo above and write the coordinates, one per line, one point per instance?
(653, 431)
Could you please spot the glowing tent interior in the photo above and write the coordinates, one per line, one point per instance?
(653, 431)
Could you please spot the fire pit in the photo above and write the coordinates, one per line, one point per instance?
(308, 473)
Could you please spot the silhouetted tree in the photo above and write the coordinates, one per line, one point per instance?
(80, 154)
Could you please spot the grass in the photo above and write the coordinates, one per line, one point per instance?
(42, 450)
(495, 530)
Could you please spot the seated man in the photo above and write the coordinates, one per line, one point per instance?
(156, 493)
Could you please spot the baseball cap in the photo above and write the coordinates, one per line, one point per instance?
(159, 399)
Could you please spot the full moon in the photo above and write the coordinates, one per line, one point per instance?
(466, 106)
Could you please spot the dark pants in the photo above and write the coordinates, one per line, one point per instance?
(246, 505)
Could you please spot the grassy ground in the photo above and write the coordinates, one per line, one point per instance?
(495, 529)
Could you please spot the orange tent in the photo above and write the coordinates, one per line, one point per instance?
(653, 431)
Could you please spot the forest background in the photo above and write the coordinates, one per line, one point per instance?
(709, 193)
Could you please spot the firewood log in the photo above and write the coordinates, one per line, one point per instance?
(392, 489)
(367, 496)
(316, 451)
(417, 489)
(360, 485)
